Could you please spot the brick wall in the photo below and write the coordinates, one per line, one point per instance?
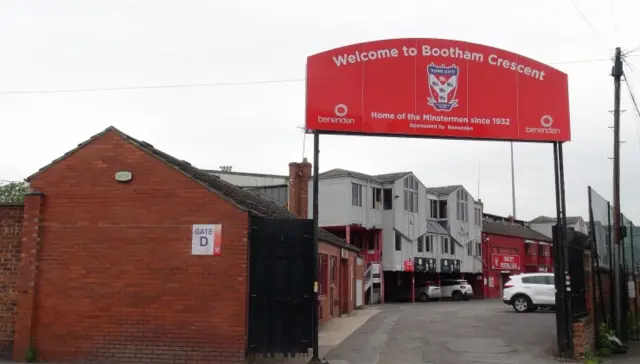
(584, 339)
(299, 174)
(10, 233)
(116, 279)
(348, 302)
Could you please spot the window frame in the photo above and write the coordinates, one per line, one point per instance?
(356, 194)
(411, 193)
(397, 242)
(387, 196)
(420, 244)
(323, 261)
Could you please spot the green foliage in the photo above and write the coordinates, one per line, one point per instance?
(604, 353)
(13, 192)
(603, 333)
(32, 355)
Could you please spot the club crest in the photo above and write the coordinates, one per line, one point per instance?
(443, 84)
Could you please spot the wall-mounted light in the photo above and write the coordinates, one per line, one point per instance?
(124, 176)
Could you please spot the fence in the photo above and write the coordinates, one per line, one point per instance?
(601, 231)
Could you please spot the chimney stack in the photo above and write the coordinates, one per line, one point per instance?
(299, 175)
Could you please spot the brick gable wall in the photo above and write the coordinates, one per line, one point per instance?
(11, 217)
(116, 279)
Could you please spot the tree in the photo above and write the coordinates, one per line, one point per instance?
(13, 192)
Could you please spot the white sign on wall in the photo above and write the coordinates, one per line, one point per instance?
(631, 287)
(206, 239)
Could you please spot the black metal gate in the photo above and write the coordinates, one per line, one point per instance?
(280, 286)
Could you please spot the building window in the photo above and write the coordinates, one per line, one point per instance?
(461, 208)
(453, 247)
(531, 249)
(442, 209)
(398, 242)
(478, 249)
(478, 216)
(387, 199)
(432, 205)
(411, 194)
(376, 193)
(541, 250)
(445, 245)
(371, 242)
(429, 244)
(421, 244)
(356, 194)
(470, 249)
(322, 274)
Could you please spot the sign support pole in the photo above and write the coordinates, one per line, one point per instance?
(315, 358)
(564, 317)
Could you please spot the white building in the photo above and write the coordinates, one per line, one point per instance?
(444, 223)
(544, 224)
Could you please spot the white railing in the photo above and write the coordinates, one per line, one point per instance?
(368, 278)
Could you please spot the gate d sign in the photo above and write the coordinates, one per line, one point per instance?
(204, 239)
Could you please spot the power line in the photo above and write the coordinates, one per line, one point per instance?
(586, 20)
(633, 100)
(215, 84)
(152, 87)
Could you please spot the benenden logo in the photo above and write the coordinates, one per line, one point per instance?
(341, 117)
(546, 121)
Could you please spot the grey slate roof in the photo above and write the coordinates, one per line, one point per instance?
(443, 190)
(433, 227)
(243, 198)
(547, 219)
(506, 228)
(380, 178)
(215, 171)
(339, 172)
(391, 177)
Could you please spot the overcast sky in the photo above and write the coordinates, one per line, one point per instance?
(85, 44)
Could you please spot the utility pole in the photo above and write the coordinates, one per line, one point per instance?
(616, 72)
(513, 184)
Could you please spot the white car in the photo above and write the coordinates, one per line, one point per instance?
(529, 291)
(429, 292)
(458, 289)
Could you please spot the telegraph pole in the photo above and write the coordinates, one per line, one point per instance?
(616, 72)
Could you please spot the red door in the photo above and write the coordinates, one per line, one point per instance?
(332, 285)
(344, 285)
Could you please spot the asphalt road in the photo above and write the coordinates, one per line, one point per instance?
(474, 332)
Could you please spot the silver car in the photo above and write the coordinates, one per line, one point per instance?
(429, 292)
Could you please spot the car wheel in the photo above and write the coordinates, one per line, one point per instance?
(424, 297)
(522, 304)
(457, 296)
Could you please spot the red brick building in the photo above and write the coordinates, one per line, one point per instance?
(11, 216)
(510, 247)
(107, 271)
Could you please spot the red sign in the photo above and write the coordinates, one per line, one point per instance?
(436, 88)
(408, 266)
(505, 262)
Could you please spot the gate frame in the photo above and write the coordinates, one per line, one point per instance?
(564, 315)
